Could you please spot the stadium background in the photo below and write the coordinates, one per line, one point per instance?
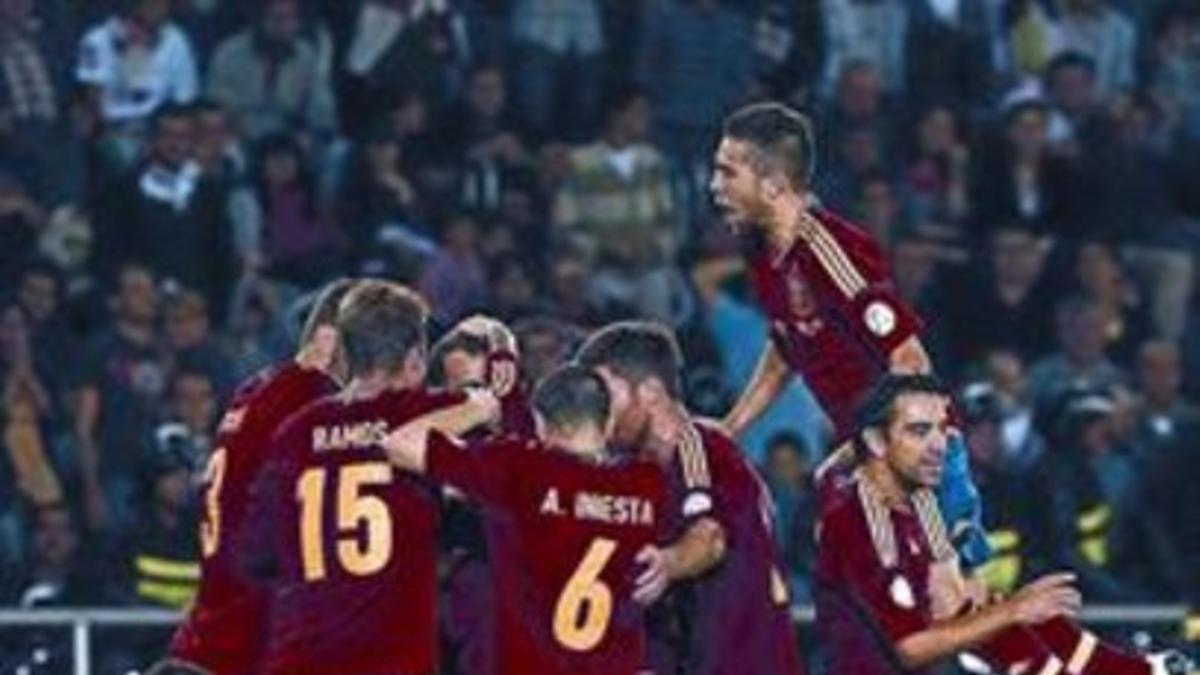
(169, 197)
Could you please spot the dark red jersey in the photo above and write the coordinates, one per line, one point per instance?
(355, 542)
(562, 544)
(872, 576)
(834, 313)
(736, 618)
(225, 630)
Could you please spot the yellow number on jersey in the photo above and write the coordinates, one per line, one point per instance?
(358, 555)
(585, 605)
(210, 524)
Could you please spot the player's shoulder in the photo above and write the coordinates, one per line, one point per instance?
(838, 497)
(853, 239)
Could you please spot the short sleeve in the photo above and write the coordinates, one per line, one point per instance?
(698, 496)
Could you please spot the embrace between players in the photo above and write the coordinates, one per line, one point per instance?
(623, 535)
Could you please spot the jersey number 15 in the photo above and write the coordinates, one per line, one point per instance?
(358, 555)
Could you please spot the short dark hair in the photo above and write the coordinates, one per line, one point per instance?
(324, 308)
(454, 341)
(636, 350)
(781, 135)
(380, 323)
(571, 396)
(878, 407)
(1070, 59)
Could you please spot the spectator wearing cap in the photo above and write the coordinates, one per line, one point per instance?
(1089, 512)
(271, 77)
(1105, 34)
(161, 549)
(1007, 494)
(1080, 360)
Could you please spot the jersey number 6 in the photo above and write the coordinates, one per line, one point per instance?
(585, 605)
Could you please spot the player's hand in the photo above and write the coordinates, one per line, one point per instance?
(1051, 596)
(485, 403)
(655, 578)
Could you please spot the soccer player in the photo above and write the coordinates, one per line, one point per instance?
(355, 588)
(835, 317)
(575, 520)
(225, 630)
(729, 609)
(879, 604)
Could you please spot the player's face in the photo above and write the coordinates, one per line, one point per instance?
(916, 439)
(629, 419)
(736, 187)
(464, 370)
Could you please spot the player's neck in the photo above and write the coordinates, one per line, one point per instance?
(785, 225)
(587, 445)
(894, 491)
(375, 383)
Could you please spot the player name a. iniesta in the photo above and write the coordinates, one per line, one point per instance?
(349, 436)
(611, 509)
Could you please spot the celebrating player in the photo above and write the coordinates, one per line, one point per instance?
(225, 630)
(732, 615)
(564, 564)
(355, 590)
(879, 603)
(835, 317)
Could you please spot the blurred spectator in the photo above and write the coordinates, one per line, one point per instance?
(616, 206)
(871, 31)
(418, 45)
(545, 344)
(224, 163)
(482, 127)
(1143, 215)
(168, 216)
(559, 57)
(569, 293)
(454, 280)
(162, 553)
(1164, 417)
(939, 169)
(1175, 65)
(878, 208)
(859, 127)
(1095, 29)
(21, 222)
(695, 61)
(1026, 36)
(1078, 123)
(194, 406)
(1020, 179)
(40, 294)
(300, 242)
(514, 289)
(789, 48)
(1101, 279)
(190, 342)
(1093, 521)
(257, 336)
(788, 478)
(121, 381)
(133, 63)
(380, 193)
(1023, 443)
(271, 77)
(1007, 495)
(1080, 361)
(56, 574)
(946, 51)
(27, 408)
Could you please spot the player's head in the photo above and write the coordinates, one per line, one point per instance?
(382, 327)
(641, 364)
(903, 425)
(458, 360)
(766, 152)
(319, 344)
(572, 409)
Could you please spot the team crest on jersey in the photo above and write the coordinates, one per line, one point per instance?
(880, 318)
(902, 593)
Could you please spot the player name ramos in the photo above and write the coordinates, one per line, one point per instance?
(349, 436)
(611, 509)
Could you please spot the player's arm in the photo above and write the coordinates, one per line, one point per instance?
(769, 378)
(407, 447)
(699, 549)
(1044, 599)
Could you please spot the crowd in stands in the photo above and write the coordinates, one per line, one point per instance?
(177, 177)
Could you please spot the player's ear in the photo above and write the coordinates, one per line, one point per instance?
(873, 438)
